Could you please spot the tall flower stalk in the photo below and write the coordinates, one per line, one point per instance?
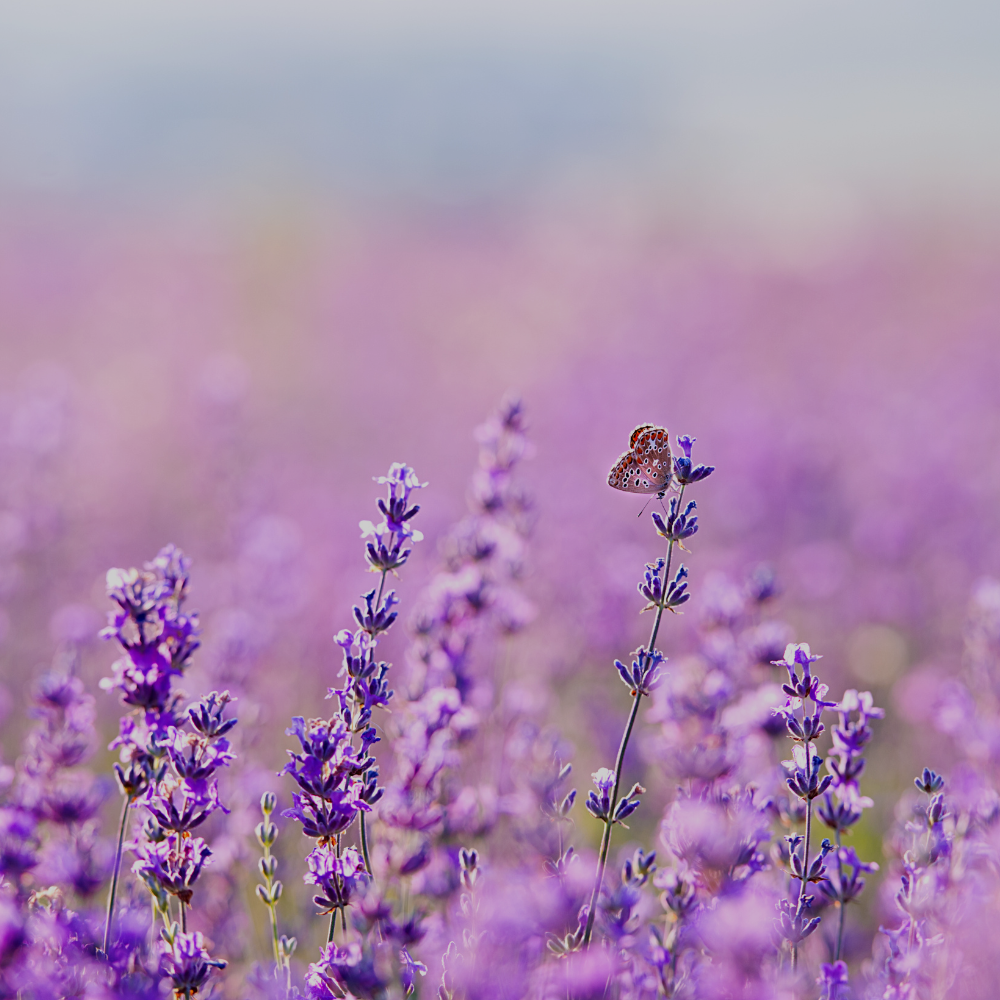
(662, 593)
(804, 728)
(338, 781)
(157, 638)
(842, 807)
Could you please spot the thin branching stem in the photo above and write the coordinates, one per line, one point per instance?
(623, 746)
(843, 904)
(361, 816)
(803, 884)
(115, 874)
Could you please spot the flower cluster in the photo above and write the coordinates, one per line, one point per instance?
(476, 590)
(605, 804)
(52, 857)
(157, 638)
(165, 770)
(804, 706)
(336, 777)
(456, 874)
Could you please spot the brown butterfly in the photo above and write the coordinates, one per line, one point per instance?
(647, 466)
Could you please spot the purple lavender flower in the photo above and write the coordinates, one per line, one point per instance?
(678, 525)
(845, 881)
(717, 837)
(206, 715)
(353, 969)
(330, 773)
(168, 771)
(834, 981)
(337, 877)
(173, 863)
(157, 638)
(804, 781)
(644, 674)
(182, 805)
(661, 596)
(842, 807)
(18, 842)
(387, 551)
(188, 964)
(652, 587)
(194, 756)
(338, 781)
(599, 803)
(684, 472)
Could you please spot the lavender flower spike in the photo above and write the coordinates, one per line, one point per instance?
(663, 596)
(337, 777)
(804, 725)
(187, 962)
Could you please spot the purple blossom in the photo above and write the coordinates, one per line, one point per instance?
(337, 877)
(173, 863)
(157, 638)
(718, 839)
(182, 805)
(196, 757)
(188, 964)
(652, 587)
(644, 674)
(678, 525)
(353, 969)
(206, 715)
(684, 472)
(18, 841)
(387, 551)
(845, 879)
(834, 981)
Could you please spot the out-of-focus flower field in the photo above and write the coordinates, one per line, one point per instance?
(231, 384)
(236, 397)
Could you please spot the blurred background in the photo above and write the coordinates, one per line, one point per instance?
(250, 254)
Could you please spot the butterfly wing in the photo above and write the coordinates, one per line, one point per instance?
(625, 474)
(636, 433)
(646, 466)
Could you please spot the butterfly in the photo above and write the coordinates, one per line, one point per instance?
(647, 466)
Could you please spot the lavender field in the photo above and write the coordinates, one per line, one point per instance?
(331, 664)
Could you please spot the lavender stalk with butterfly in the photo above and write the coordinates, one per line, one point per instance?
(647, 468)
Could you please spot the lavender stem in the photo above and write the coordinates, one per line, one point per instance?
(361, 816)
(115, 874)
(364, 848)
(843, 905)
(800, 905)
(609, 822)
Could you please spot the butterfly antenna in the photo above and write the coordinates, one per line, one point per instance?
(644, 506)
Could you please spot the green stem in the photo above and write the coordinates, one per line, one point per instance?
(115, 875)
(272, 908)
(333, 926)
(361, 816)
(800, 905)
(364, 847)
(609, 822)
(184, 917)
(843, 905)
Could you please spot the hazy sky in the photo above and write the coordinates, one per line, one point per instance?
(766, 108)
